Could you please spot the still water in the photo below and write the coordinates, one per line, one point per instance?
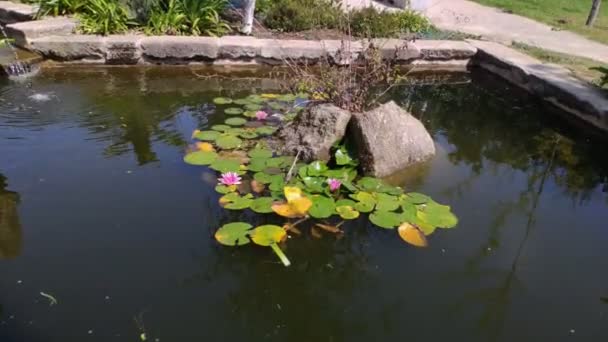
(98, 210)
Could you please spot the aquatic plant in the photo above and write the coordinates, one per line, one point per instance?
(255, 178)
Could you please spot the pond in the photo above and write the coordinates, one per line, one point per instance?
(99, 211)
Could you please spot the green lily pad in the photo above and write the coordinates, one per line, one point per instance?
(222, 100)
(241, 102)
(255, 99)
(287, 98)
(233, 234)
(207, 135)
(369, 184)
(221, 128)
(228, 141)
(267, 234)
(260, 153)
(265, 130)
(238, 203)
(263, 178)
(314, 169)
(249, 113)
(409, 211)
(235, 121)
(343, 158)
(226, 165)
(253, 107)
(366, 201)
(438, 215)
(248, 135)
(314, 184)
(417, 198)
(275, 162)
(276, 106)
(345, 203)
(223, 189)
(233, 111)
(272, 170)
(387, 202)
(257, 164)
(343, 174)
(262, 205)
(200, 157)
(386, 219)
(277, 183)
(347, 212)
(322, 207)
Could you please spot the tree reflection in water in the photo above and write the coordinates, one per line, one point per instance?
(10, 228)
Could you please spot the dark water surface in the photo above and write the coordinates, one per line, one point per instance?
(98, 210)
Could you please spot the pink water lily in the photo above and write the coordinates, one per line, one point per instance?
(334, 184)
(261, 115)
(230, 178)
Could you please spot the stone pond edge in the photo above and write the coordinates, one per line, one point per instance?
(54, 39)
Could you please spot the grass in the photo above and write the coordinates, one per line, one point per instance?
(564, 14)
(587, 69)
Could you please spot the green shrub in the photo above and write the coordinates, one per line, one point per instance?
(371, 23)
(194, 17)
(104, 17)
(301, 15)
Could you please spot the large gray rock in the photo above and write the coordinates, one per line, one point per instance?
(23, 32)
(389, 139)
(82, 48)
(11, 12)
(314, 132)
(179, 49)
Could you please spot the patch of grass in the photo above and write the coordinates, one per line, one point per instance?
(587, 69)
(563, 14)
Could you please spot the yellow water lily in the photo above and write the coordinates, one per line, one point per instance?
(297, 205)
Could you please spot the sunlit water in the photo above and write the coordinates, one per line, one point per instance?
(98, 210)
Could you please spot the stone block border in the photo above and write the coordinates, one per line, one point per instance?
(54, 39)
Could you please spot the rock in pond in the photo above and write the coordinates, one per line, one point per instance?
(389, 139)
(313, 132)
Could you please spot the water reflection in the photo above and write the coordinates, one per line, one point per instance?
(10, 228)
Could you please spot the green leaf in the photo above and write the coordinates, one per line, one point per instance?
(233, 111)
(200, 157)
(345, 203)
(257, 164)
(222, 100)
(253, 107)
(233, 234)
(276, 106)
(322, 207)
(223, 189)
(241, 102)
(347, 212)
(207, 135)
(265, 130)
(438, 215)
(343, 174)
(314, 184)
(385, 219)
(239, 203)
(262, 205)
(287, 98)
(386, 202)
(343, 158)
(267, 234)
(235, 121)
(228, 141)
(409, 211)
(277, 183)
(417, 198)
(263, 177)
(260, 153)
(226, 165)
(248, 135)
(369, 184)
(221, 128)
(256, 99)
(366, 202)
(249, 114)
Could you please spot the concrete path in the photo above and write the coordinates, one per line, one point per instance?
(493, 24)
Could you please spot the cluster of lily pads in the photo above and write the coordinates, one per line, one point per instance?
(253, 177)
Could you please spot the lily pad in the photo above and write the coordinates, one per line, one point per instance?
(322, 207)
(223, 189)
(345, 203)
(417, 198)
(385, 219)
(207, 135)
(236, 122)
(221, 128)
(249, 113)
(366, 202)
(228, 141)
(387, 202)
(314, 184)
(343, 158)
(267, 234)
(262, 205)
(256, 99)
(276, 106)
(222, 100)
(234, 111)
(233, 234)
(438, 215)
(241, 102)
(248, 135)
(257, 164)
(263, 178)
(239, 203)
(347, 212)
(260, 153)
(200, 158)
(277, 183)
(253, 107)
(287, 98)
(265, 130)
(226, 165)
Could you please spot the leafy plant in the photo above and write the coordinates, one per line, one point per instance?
(372, 23)
(301, 15)
(193, 17)
(104, 17)
(59, 7)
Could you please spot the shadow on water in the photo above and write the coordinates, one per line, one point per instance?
(10, 228)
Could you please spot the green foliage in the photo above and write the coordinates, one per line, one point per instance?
(301, 15)
(104, 17)
(372, 23)
(188, 17)
(59, 7)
